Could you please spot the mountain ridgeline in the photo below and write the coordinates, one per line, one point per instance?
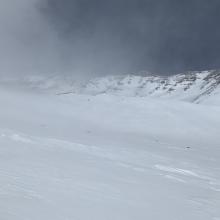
(197, 87)
(191, 86)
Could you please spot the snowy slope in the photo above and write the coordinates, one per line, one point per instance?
(106, 157)
(197, 87)
(192, 86)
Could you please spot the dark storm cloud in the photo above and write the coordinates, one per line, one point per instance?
(83, 37)
(130, 35)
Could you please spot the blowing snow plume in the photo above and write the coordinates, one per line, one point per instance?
(31, 44)
(28, 44)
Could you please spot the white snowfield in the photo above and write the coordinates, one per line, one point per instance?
(107, 157)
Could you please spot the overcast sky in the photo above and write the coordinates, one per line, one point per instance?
(109, 36)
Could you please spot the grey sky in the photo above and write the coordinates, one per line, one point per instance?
(106, 37)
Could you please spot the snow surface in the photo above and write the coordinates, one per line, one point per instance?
(84, 157)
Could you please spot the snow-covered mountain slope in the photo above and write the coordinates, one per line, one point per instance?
(197, 87)
(193, 86)
(107, 157)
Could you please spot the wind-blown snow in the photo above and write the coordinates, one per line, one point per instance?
(80, 156)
